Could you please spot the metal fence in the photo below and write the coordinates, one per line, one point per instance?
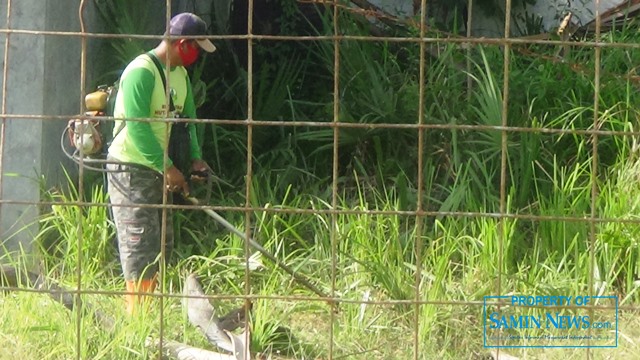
(329, 297)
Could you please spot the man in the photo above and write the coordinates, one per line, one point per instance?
(140, 146)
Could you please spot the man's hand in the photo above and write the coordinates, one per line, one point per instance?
(176, 181)
(200, 170)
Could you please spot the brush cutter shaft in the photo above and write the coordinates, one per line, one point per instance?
(260, 249)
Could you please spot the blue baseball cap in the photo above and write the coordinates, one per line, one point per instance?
(188, 24)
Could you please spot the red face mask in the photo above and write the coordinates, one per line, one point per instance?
(188, 52)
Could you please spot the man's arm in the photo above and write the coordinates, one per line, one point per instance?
(138, 87)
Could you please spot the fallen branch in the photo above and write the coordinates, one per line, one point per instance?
(182, 351)
(201, 314)
(12, 277)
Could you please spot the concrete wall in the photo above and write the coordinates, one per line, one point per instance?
(43, 79)
(21, 156)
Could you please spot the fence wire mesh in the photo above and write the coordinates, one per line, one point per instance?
(401, 266)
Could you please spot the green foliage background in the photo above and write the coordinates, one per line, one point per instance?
(549, 159)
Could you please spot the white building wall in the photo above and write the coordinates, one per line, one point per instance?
(551, 12)
(403, 8)
(584, 11)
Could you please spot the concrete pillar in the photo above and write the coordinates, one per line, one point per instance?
(43, 79)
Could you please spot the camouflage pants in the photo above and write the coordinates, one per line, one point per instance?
(139, 227)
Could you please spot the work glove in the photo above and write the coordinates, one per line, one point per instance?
(175, 181)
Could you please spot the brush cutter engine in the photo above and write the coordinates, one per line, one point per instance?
(86, 137)
(84, 134)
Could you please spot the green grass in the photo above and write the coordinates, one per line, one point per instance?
(377, 260)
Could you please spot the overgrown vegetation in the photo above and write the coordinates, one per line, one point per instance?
(564, 201)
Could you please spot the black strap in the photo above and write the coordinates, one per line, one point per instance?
(164, 79)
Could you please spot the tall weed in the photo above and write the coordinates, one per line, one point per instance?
(62, 247)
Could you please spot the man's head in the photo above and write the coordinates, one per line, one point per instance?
(189, 25)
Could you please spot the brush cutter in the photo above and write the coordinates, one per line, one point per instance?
(254, 244)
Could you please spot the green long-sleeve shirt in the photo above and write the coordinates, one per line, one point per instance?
(141, 94)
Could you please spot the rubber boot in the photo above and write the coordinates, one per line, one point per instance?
(134, 299)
